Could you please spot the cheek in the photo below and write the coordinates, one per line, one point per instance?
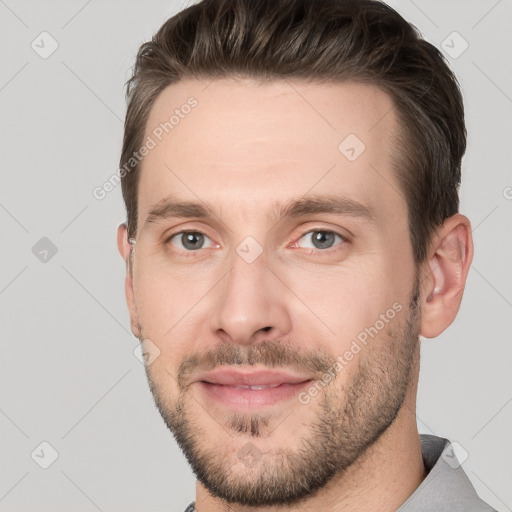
(157, 300)
(351, 298)
(170, 302)
(162, 308)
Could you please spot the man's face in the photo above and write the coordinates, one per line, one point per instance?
(303, 292)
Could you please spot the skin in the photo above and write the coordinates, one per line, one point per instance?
(244, 148)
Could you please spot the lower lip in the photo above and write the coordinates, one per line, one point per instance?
(244, 398)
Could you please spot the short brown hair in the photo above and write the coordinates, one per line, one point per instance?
(316, 40)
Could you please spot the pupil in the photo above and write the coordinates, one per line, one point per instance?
(323, 239)
(192, 241)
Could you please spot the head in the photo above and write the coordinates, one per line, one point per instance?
(290, 172)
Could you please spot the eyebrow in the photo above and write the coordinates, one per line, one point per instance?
(324, 203)
(171, 207)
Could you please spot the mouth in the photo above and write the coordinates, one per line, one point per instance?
(252, 397)
(249, 390)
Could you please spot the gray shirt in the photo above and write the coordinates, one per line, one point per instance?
(446, 487)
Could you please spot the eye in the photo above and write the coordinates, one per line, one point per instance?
(320, 239)
(189, 240)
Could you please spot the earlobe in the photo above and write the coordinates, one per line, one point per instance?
(448, 266)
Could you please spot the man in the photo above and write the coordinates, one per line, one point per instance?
(290, 172)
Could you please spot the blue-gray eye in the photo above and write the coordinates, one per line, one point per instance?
(189, 240)
(321, 239)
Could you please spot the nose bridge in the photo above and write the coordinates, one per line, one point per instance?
(249, 300)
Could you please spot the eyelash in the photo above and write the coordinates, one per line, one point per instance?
(191, 254)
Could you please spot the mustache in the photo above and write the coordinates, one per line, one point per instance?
(268, 353)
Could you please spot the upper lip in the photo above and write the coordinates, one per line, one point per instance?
(238, 377)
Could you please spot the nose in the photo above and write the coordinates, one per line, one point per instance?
(250, 304)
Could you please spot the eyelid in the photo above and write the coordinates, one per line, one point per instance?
(180, 229)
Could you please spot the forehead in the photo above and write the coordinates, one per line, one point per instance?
(250, 144)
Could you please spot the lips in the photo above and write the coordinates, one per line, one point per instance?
(247, 389)
(252, 379)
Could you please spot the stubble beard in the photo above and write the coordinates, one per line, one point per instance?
(349, 418)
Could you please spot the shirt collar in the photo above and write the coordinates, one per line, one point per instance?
(446, 487)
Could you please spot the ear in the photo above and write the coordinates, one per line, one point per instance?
(125, 249)
(447, 267)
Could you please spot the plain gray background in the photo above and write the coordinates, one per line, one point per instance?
(69, 376)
